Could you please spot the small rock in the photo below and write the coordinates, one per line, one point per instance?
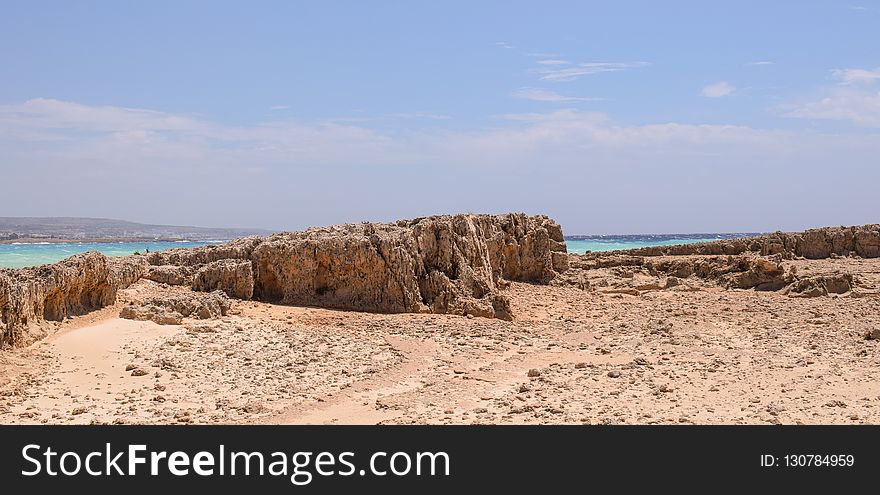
(613, 374)
(138, 372)
(873, 334)
(533, 373)
(580, 366)
(130, 367)
(77, 411)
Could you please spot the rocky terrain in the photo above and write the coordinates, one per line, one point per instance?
(443, 264)
(454, 319)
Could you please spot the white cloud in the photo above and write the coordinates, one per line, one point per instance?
(279, 107)
(565, 74)
(504, 44)
(856, 98)
(762, 62)
(536, 94)
(419, 115)
(184, 169)
(858, 106)
(856, 76)
(542, 55)
(553, 62)
(717, 90)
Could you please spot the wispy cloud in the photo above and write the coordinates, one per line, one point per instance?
(718, 90)
(862, 108)
(278, 170)
(856, 76)
(419, 115)
(553, 62)
(279, 107)
(862, 8)
(542, 55)
(537, 94)
(569, 72)
(504, 44)
(855, 98)
(761, 62)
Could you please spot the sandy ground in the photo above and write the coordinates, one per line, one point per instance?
(706, 355)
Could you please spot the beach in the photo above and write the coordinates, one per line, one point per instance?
(619, 337)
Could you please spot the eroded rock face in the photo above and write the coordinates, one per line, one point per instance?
(170, 274)
(454, 264)
(171, 310)
(444, 264)
(234, 277)
(30, 297)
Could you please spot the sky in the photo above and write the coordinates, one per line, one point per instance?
(611, 117)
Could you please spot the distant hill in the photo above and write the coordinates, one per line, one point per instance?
(91, 229)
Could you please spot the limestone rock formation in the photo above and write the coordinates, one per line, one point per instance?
(821, 285)
(735, 272)
(456, 264)
(170, 274)
(30, 297)
(172, 309)
(443, 264)
(234, 277)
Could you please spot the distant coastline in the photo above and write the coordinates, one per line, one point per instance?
(703, 235)
(102, 240)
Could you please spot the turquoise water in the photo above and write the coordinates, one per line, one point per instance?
(596, 243)
(22, 254)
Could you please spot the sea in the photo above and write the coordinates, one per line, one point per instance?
(21, 254)
(18, 255)
(581, 244)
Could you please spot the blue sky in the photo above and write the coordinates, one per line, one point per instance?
(613, 117)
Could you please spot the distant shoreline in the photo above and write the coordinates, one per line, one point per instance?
(100, 240)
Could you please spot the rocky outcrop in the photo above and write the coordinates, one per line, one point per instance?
(818, 243)
(170, 274)
(31, 297)
(237, 249)
(171, 310)
(126, 270)
(443, 264)
(234, 277)
(733, 272)
(454, 264)
(821, 285)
